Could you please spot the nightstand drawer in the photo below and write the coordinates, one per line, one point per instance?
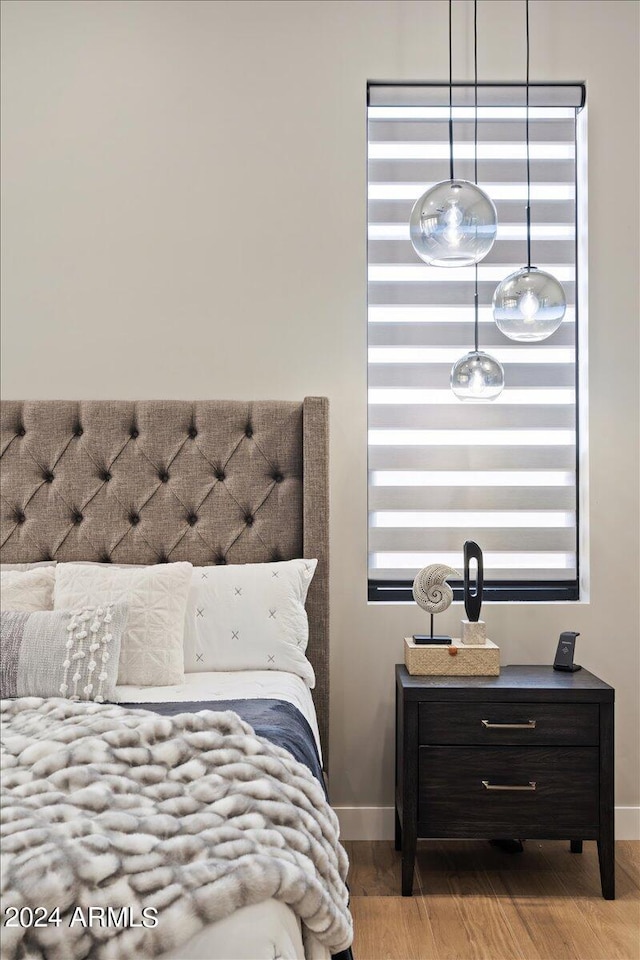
(529, 724)
(506, 791)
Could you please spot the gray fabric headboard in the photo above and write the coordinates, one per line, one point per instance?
(149, 482)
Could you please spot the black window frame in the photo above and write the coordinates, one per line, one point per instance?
(400, 591)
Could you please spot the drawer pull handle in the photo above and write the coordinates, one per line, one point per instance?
(526, 725)
(529, 787)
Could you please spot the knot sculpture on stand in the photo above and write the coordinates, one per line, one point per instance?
(432, 592)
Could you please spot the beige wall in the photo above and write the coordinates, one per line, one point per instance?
(184, 216)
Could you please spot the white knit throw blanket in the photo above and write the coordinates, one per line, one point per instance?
(192, 815)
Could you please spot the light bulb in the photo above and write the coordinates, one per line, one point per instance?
(477, 376)
(529, 305)
(477, 385)
(453, 224)
(453, 217)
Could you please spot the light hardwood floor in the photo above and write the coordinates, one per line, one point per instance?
(473, 901)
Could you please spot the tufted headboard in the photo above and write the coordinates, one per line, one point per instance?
(209, 481)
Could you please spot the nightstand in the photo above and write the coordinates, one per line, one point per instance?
(526, 755)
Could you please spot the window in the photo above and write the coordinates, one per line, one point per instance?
(442, 471)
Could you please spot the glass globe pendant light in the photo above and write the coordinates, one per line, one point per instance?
(454, 223)
(477, 375)
(529, 304)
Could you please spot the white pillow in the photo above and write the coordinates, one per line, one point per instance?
(249, 617)
(28, 590)
(152, 649)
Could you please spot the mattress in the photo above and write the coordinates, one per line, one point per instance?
(270, 928)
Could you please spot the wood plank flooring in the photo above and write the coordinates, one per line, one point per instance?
(473, 901)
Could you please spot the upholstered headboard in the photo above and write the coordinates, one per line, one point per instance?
(155, 481)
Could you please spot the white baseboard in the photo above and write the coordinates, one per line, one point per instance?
(627, 823)
(377, 823)
(366, 823)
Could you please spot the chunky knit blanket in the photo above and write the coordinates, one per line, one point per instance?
(192, 816)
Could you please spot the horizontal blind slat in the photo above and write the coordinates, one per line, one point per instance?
(382, 567)
(558, 252)
(508, 130)
(502, 173)
(416, 294)
(398, 210)
(452, 334)
(415, 375)
(523, 539)
(470, 416)
(471, 458)
(468, 498)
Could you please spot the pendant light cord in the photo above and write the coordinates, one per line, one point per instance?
(450, 91)
(475, 152)
(475, 89)
(527, 142)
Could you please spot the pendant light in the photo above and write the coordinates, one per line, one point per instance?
(454, 223)
(477, 375)
(529, 304)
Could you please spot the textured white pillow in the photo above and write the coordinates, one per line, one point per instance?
(249, 617)
(152, 650)
(28, 590)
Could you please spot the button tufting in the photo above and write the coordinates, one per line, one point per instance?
(278, 477)
(276, 556)
(77, 516)
(193, 433)
(220, 475)
(163, 558)
(105, 475)
(248, 431)
(192, 519)
(133, 433)
(220, 559)
(134, 519)
(249, 520)
(105, 558)
(20, 516)
(20, 432)
(78, 431)
(163, 476)
(48, 476)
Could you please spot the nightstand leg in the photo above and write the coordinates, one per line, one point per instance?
(408, 862)
(409, 796)
(398, 840)
(606, 856)
(576, 846)
(606, 844)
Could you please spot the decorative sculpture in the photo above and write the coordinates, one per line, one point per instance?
(432, 592)
(473, 629)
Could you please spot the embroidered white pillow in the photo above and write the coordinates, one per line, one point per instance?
(27, 590)
(152, 649)
(249, 617)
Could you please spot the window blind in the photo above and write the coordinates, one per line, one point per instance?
(442, 471)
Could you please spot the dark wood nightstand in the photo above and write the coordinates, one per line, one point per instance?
(526, 755)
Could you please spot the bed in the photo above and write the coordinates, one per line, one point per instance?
(214, 483)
